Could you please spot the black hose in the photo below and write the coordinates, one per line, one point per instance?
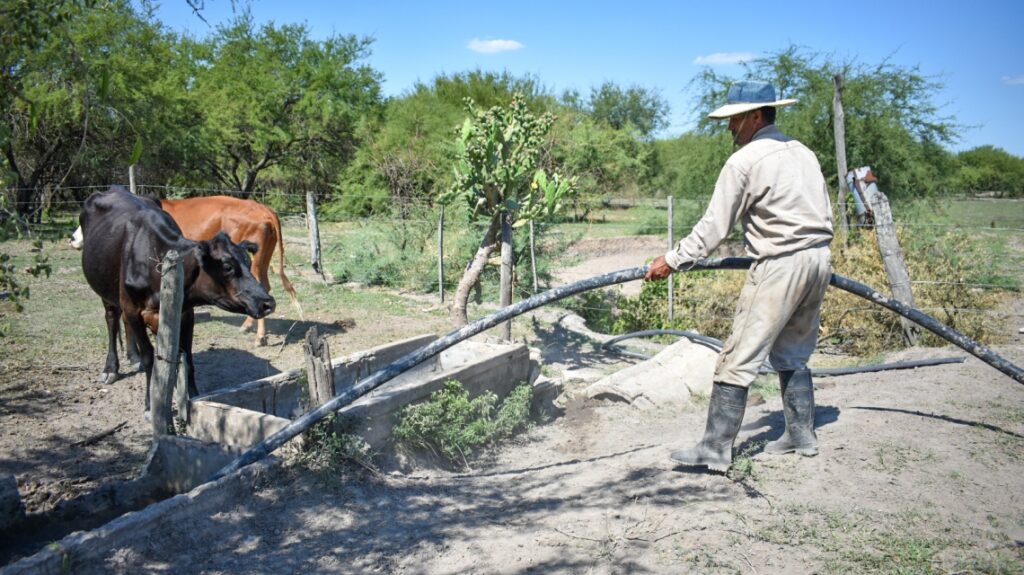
(911, 364)
(412, 359)
(931, 324)
(408, 361)
(716, 345)
(708, 342)
(711, 343)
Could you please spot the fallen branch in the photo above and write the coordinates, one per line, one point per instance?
(100, 435)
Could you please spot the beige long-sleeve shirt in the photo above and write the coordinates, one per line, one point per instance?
(775, 187)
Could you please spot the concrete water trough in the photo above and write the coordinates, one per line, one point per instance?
(225, 422)
(244, 415)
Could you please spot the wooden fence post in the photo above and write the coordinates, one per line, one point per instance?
(131, 178)
(181, 388)
(314, 236)
(165, 364)
(533, 259)
(671, 278)
(839, 130)
(319, 373)
(892, 258)
(506, 272)
(440, 255)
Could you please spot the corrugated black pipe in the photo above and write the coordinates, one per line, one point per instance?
(407, 362)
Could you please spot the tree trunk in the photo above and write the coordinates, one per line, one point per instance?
(472, 273)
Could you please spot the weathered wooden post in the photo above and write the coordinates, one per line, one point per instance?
(314, 235)
(319, 373)
(131, 178)
(506, 271)
(165, 366)
(892, 258)
(671, 279)
(181, 388)
(533, 259)
(440, 255)
(839, 130)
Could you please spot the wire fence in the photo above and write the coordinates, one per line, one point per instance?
(420, 217)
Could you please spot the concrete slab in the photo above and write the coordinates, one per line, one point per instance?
(670, 378)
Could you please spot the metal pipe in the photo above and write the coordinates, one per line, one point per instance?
(408, 361)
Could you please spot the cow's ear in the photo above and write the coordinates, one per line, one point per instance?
(221, 239)
(248, 246)
(204, 252)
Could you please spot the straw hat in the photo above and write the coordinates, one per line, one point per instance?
(749, 95)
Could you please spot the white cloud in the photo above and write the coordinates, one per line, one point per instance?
(493, 46)
(721, 58)
(1014, 80)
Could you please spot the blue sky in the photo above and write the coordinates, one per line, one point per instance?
(975, 49)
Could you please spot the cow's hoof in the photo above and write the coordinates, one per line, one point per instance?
(108, 378)
(261, 341)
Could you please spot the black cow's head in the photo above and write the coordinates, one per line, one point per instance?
(225, 279)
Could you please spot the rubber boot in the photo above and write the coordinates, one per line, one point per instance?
(725, 414)
(798, 407)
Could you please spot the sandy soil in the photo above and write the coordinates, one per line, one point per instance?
(919, 471)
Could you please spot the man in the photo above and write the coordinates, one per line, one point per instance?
(773, 185)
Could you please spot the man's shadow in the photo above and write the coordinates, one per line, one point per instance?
(776, 424)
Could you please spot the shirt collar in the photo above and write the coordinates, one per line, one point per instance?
(770, 132)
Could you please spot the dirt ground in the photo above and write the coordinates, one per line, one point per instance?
(920, 471)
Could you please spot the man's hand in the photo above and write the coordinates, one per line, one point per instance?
(659, 270)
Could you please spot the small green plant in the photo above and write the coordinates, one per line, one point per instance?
(453, 426)
(331, 452)
(743, 464)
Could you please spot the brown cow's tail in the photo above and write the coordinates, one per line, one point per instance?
(288, 287)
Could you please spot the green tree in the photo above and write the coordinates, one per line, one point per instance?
(635, 107)
(106, 89)
(892, 121)
(989, 169)
(606, 161)
(273, 97)
(496, 173)
(405, 155)
(688, 166)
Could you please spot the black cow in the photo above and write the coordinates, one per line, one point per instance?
(127, 238)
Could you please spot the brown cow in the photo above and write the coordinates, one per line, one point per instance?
(243, 220)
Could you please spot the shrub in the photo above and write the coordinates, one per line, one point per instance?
(943, 267)
(948, 268)
(331, 452)
(453, 426)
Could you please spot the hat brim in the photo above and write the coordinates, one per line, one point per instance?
(729, 110)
